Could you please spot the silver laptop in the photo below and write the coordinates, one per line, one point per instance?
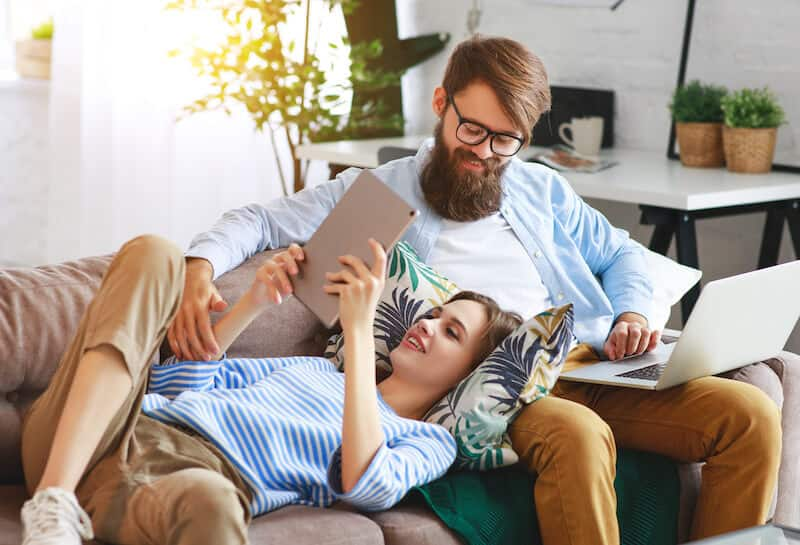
(736, 321)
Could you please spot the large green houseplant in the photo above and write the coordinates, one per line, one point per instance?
(284, 84)
(752, 117)
(697, 113)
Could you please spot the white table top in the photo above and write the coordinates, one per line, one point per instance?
(641, 177)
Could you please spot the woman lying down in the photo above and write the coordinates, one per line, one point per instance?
(192, 456)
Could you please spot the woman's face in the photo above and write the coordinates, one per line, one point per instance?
(439, 351)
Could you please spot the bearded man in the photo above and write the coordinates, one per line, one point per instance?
(516, 231)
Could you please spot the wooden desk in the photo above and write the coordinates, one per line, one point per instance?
(670, 196)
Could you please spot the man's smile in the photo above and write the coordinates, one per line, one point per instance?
(473, 164)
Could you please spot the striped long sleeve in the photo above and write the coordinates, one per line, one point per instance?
(279, 422)
(171, 377)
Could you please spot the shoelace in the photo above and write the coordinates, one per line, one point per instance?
(48, 513)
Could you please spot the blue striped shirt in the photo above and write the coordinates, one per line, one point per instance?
(279, 421)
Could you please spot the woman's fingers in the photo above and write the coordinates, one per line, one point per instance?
(267, 279)
(296, 252)
(357, 265)
(273, 275)
(379, 266)
(343, 276)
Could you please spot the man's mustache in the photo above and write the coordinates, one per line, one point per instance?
(491, 163)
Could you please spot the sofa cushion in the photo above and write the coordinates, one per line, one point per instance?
(295, 524)
(40, 309)
(304, 525)
(519, 371)
(413, 524)
(288, 329)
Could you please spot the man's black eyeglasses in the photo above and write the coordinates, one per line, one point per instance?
(473, 133)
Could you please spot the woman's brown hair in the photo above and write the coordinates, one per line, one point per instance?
(516, 75)
(500, 322)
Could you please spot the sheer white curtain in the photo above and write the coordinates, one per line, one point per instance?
(121, 165)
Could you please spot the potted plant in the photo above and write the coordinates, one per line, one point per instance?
(33, 55)
(284, 85)
(698, 123)
(752, 117)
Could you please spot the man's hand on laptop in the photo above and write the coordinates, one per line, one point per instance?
(190, 335)
(630, 336)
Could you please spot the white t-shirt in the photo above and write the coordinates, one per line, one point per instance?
(487, 257)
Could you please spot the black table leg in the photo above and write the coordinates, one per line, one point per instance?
(686, 240)
(662, 236)
(793, 217)
(771, 238)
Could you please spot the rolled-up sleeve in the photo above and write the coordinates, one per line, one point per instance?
(615, 259)
(398, 465)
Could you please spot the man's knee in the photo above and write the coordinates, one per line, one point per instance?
(753, 416)
(554, 428)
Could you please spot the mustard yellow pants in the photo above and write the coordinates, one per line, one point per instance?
(570, 439)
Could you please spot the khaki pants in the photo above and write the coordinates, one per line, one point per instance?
(570, 440)
(146, 483)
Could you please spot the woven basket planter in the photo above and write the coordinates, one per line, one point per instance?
(749, 150)
(700, 144)
(33, 58)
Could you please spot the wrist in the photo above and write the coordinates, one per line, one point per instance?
(632, 317)
(361, 329)
(200, 266)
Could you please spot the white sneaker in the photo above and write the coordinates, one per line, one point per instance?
(53, 516)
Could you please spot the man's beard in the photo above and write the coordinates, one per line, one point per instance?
(458, 194)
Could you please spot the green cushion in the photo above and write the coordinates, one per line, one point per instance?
(496, 507)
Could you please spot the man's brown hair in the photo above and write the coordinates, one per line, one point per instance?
(516, 75)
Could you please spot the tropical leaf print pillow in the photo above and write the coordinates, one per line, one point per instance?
(412, 289)
(521, 370)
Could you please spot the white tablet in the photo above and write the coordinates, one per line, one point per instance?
(368, 209)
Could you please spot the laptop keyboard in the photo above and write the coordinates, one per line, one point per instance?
(651, 372)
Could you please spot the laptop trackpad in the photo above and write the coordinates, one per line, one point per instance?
(660, 354)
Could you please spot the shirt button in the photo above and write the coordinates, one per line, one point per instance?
(537, 254)
(560, 296)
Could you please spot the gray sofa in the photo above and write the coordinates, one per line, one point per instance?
(39, 311)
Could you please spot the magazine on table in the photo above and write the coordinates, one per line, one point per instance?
(565, 159)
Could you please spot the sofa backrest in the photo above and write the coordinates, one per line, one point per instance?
(40, 309)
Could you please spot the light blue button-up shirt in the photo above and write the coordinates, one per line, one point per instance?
(581, 258)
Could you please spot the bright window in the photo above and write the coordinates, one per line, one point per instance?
(17, 19)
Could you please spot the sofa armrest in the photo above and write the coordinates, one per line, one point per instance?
(787, 511)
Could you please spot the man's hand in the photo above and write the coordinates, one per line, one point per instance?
(190, 335)
(630, 336)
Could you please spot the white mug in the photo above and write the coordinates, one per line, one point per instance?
(586, 134)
